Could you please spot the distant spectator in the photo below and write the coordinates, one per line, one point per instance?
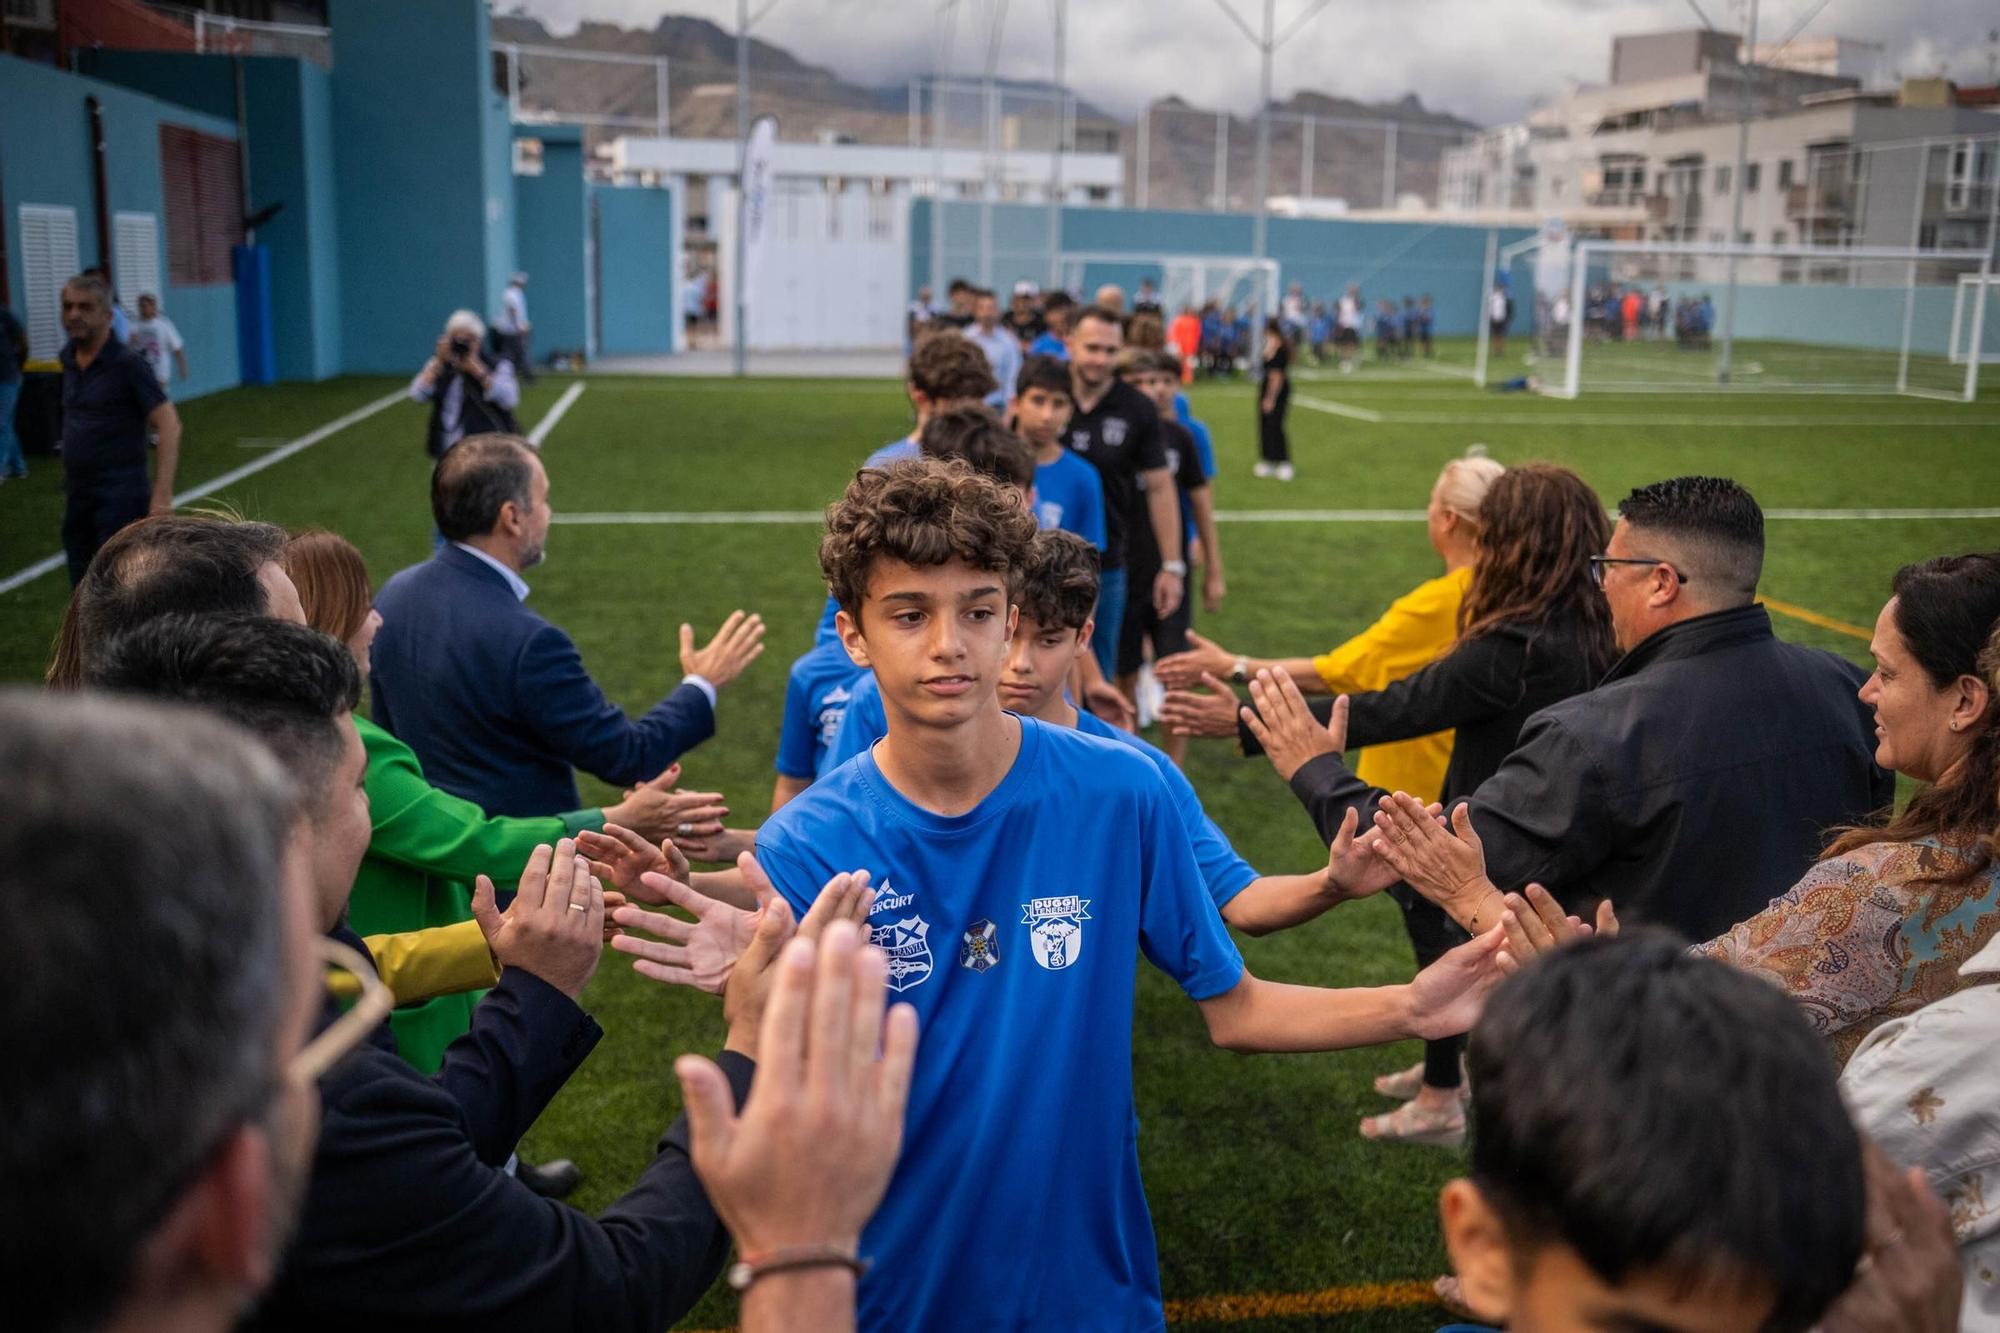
(1292, 313)
(1058, 308)
(1146, 301)
(156, 339)
(467, 396)
(1184, 337)
(13, 351)
(957, 313)
(1002, 348)
(1274, 398)
(917, 316)
(1499, 315)
(110, 401)
(1023, 319)
(1111, 297)
(511, 330)
(1347, 327)
(1426, 324)
(1319, 331)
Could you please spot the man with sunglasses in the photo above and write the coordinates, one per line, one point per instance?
(1696, 781)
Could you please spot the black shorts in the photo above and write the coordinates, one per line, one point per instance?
(1168, 633)
(1347, 338)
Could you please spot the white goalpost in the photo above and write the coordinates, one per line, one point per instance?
(1777, 319)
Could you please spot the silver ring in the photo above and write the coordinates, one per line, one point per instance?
(579, 907)
(684, 830)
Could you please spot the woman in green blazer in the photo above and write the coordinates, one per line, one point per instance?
(427, 845)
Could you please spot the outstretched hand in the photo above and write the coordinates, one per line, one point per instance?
(658, 808)
(1285, 727)
(1354, 866)
(1446, 998)
(623, 859)
(735, 646)
(1535, 924)
(1108, 703)
(810, 1156)
(1909, 1279)
(554, 928)
(1447, 867)
(1186, 713)
(1182, 670)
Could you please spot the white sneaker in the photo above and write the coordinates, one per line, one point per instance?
(1284, 472)
(1262, 469)
(1347, 367)
(1151, 696)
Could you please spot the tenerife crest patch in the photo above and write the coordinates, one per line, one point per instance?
(1055, 929)
(980, 948)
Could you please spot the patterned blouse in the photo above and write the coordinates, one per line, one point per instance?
(1869, 936)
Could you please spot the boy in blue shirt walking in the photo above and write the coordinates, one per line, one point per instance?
(1014, 927)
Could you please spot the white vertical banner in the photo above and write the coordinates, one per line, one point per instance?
(755, 201)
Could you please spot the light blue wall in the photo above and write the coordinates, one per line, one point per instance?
(1387, 259)
(552, 211)
(45, 158)
(425, 223)
(289, 105)
(635, 238)
(1832, 315)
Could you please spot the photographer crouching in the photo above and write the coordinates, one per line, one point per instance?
(470, 393)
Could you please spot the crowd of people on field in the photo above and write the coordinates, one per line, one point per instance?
(1711, 1009)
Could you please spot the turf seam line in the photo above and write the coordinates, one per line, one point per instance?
(555, 414)
(1338, 409)
(49, 564)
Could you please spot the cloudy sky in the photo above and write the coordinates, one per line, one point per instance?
(1487, 60)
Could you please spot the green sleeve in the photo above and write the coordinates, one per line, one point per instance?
(426, 829)
(577, 821)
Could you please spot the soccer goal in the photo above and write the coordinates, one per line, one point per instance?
(1975, 320)
(1665, 317)
(1181, 280)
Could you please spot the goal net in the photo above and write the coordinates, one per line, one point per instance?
(1662, 318)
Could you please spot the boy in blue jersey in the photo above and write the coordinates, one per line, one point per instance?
(1014, 927)
(816, 698)
(945, 371)
(1057, 308)
(1068, 492)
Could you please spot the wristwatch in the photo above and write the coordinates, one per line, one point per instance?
(1241, 671)
(1178, 568)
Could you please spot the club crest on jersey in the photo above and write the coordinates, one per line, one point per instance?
(1114, 431)
(980, 948)
(908, 944)
(1055, 929)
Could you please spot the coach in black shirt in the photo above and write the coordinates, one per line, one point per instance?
(1117, 432)
(109, 398)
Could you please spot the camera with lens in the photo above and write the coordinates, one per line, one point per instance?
(461, 348)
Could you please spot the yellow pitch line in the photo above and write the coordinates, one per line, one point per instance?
(1288, 1304)
(1815, 618)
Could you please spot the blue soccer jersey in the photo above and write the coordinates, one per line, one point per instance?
(895, 451)
(816, 695)
(1070, 495)
(1223, 873)
(865, 722)
(1015, 930)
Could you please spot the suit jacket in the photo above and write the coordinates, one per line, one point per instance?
(494, 699)
(1696, 783)
(411, 1222)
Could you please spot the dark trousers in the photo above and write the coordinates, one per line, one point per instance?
(100, 503)
(1272, 445)
(1433, 934)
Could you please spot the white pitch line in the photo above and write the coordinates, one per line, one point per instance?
(555, 414)
(50, 564)
(755, 517)
(1633, 419)
(1337, 409)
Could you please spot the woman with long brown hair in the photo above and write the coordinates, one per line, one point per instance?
(1532, 630)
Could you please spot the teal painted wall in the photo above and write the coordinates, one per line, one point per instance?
(45, 158)
(635, 237)
(1387, 259)
(552, 211)
(289, 107)
(422, 206)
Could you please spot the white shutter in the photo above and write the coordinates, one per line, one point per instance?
(136, 259)
(48, 260)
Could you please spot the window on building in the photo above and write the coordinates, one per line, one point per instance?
(1779, 237)
(1722, 180)
(1785, 173)
(202, 184)
(1752, 174)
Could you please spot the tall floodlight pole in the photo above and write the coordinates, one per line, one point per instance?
(1743, 115)
(742, 182)
(1061, 147)
(1267, 47)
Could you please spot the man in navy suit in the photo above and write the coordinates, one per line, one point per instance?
(493, 698)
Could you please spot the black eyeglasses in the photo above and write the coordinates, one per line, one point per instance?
(1598, 562)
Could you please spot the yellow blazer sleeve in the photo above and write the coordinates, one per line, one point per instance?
(1412, 633)
(419, 965)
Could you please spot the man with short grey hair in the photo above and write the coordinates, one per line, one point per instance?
(110, 402)
(160, 1121)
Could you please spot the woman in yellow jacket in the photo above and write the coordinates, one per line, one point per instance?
(1416, 630)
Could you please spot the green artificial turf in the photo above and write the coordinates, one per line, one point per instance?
(1257, 1179)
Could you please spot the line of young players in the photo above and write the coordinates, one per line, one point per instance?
(1133, 460)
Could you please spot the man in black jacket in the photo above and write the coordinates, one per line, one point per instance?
(1700, 778)
(409, 1218)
